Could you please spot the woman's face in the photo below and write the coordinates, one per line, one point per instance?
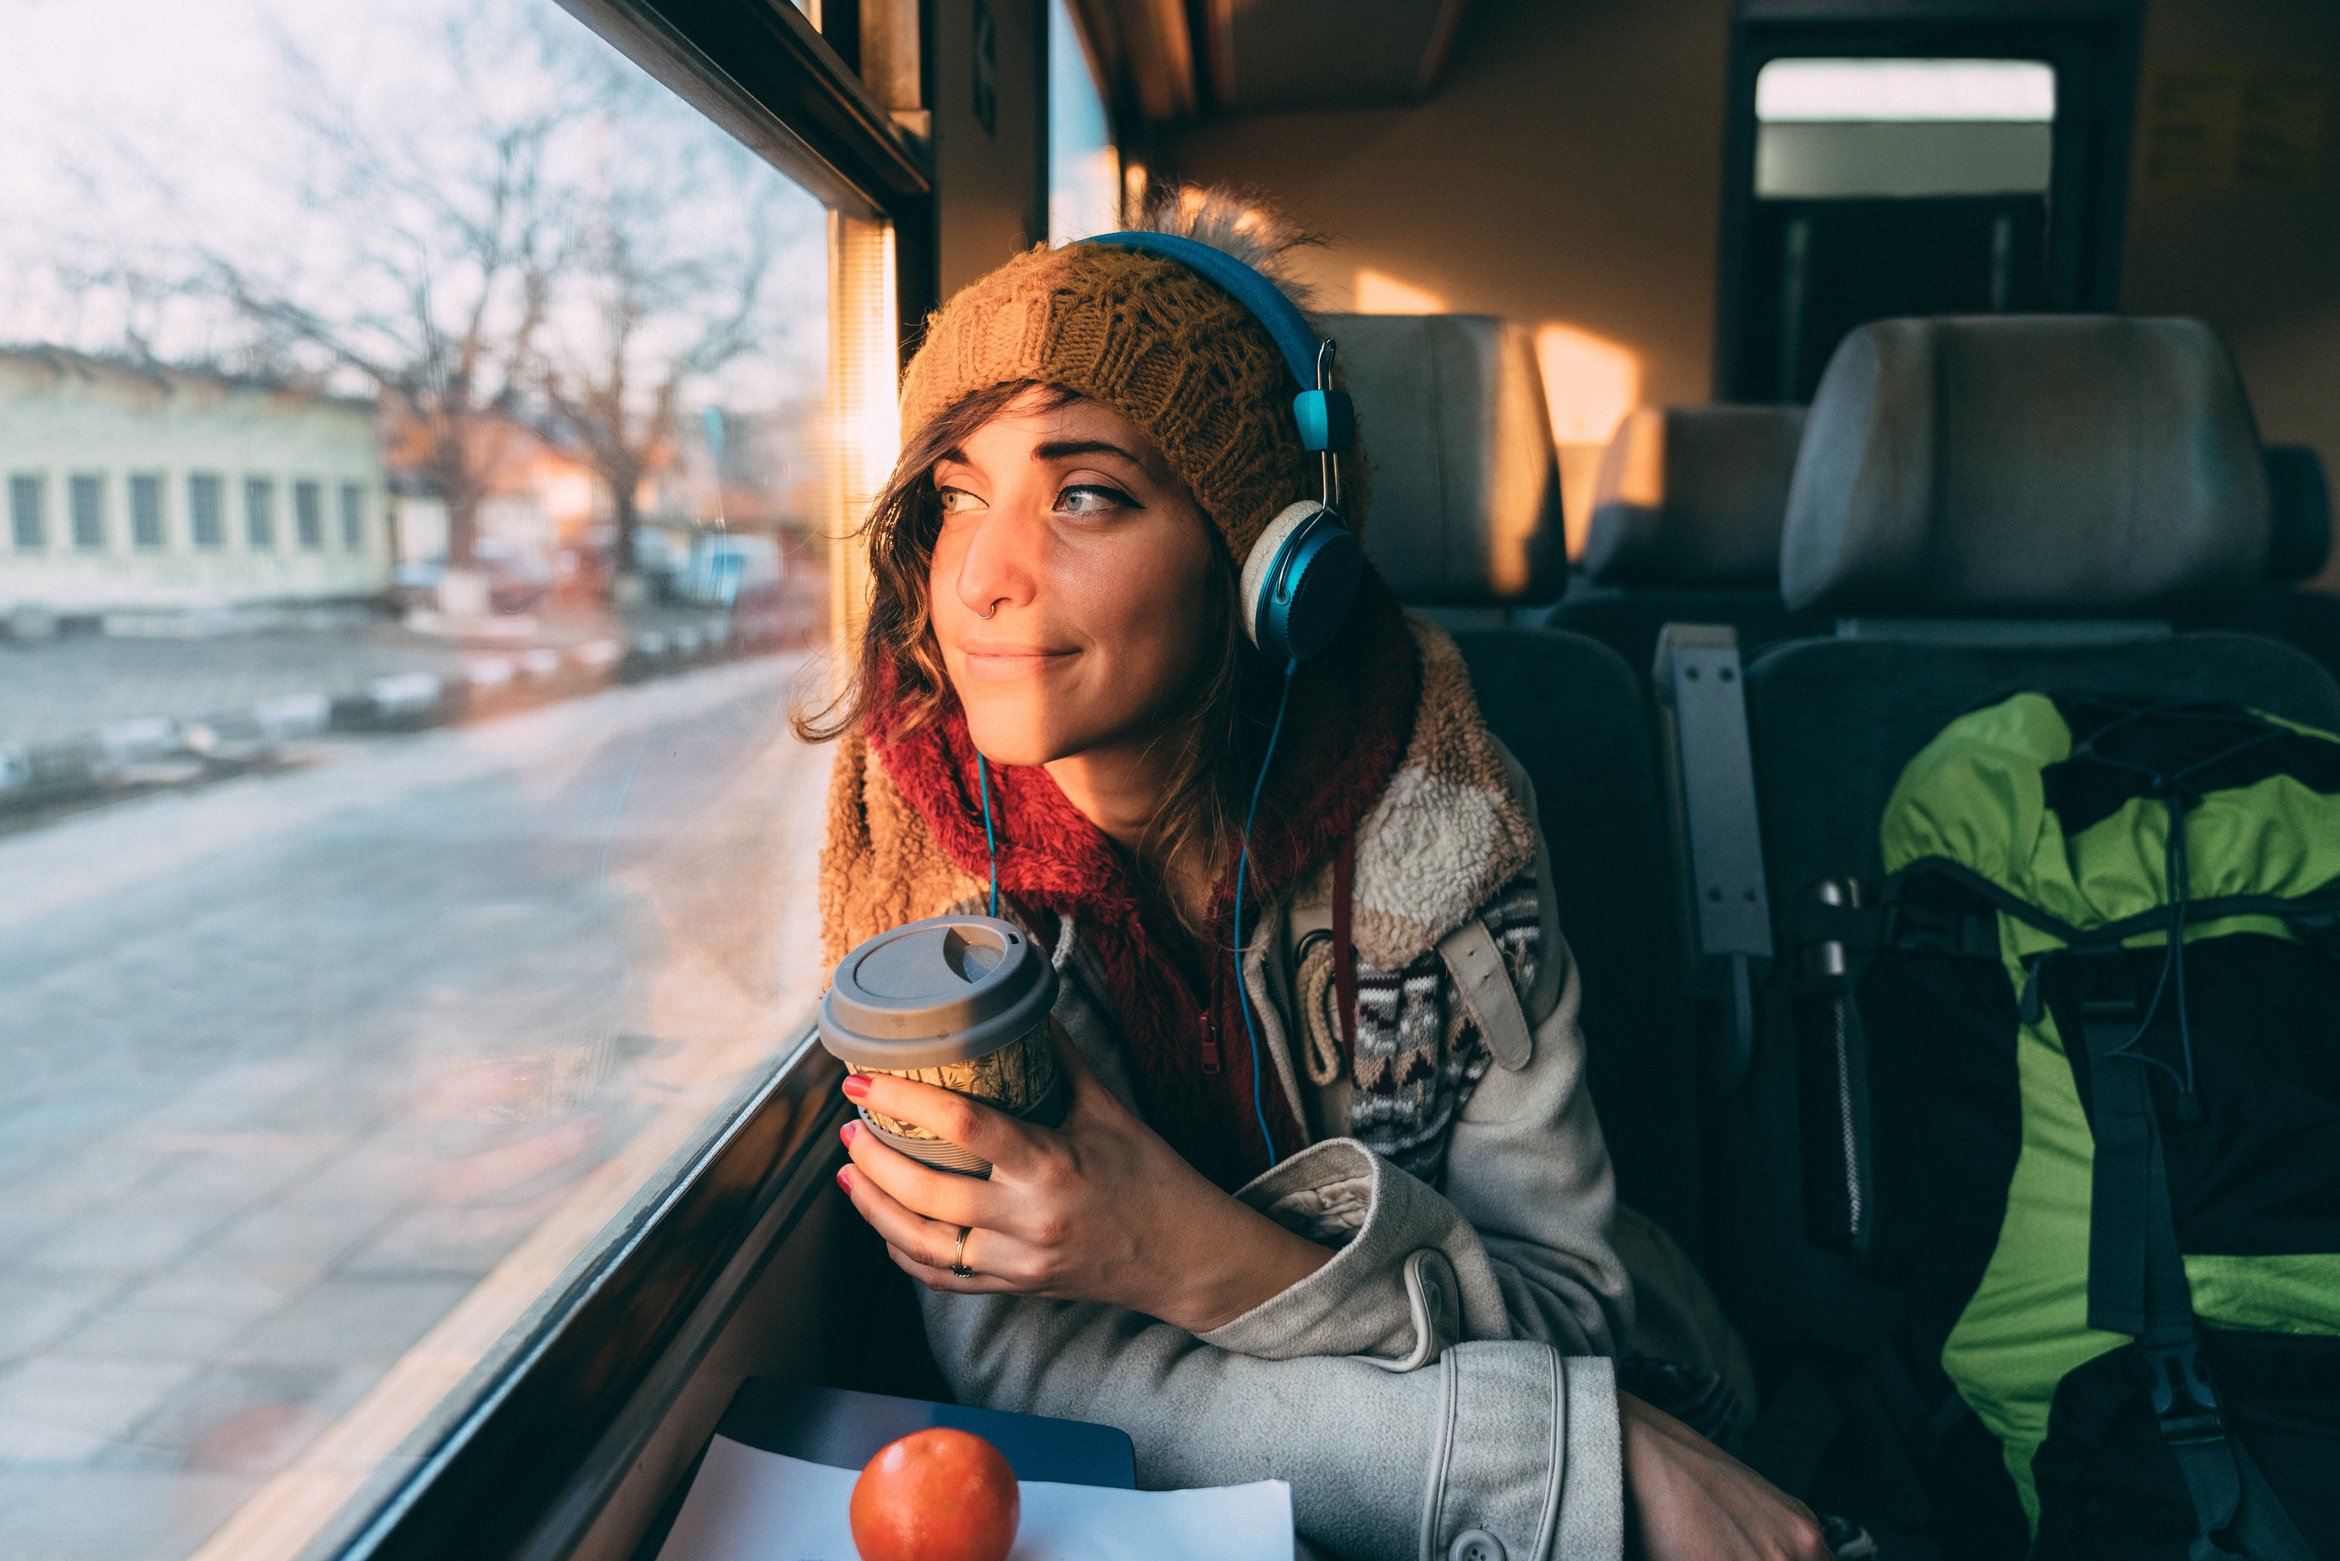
(1064, 525)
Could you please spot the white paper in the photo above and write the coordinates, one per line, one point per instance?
(750, 1505)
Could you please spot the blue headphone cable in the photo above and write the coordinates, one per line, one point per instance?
(990, 840)
(1242, 869)
(1242, 872)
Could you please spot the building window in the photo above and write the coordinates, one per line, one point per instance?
(260, 513)
(206, 507)
(353, 518)
(25, 521)
(309, 514)
(146, 516)
(86, 500)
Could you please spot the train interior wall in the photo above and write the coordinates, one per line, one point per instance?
(1566, 173)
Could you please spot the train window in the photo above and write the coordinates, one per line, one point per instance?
(1084, 169)
(409, 865)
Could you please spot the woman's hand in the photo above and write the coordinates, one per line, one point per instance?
(1099, 1208)
(1691, 1501)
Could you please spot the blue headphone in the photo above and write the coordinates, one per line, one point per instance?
(1301, 575)
(1299, 579)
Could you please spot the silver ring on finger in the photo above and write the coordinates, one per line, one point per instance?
(959, 1254)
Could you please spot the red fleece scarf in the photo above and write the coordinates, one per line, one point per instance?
(1352, 713)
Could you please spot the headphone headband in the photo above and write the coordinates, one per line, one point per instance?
(1323, 413)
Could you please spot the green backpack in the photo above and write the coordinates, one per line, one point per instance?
(2098, 1069)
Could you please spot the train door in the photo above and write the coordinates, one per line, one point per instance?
(1876, 168)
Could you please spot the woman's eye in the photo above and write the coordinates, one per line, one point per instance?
(957, 501)
(1093, 499)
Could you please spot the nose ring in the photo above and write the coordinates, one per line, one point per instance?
(986, 616)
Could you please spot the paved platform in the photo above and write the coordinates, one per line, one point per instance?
(305, 1078)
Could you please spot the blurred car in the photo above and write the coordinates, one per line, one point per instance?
(726, 569)
(516, 578)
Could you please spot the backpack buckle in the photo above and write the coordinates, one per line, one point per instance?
(2185, 1406)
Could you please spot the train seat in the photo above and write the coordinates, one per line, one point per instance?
(1685, 524)
(2284, 607)
(1466, 515)
(1982, 506)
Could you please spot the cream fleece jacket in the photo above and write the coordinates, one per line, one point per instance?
(1445, 1376)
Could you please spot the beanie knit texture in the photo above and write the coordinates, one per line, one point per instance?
(1153, 340)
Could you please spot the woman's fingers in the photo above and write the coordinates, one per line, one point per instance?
(1695, 1502)
(947, 1114)
(978, 1283)
(938, 1195)
(929, 1241)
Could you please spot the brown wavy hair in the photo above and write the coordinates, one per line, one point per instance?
(898, 685)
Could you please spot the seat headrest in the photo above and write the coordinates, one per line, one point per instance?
(1693, 496)
(2300, 505)
(2026, 466)
(1466, 488)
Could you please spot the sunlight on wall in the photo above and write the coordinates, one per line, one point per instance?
(1590, 383)
(1377, 292)
(864, 360)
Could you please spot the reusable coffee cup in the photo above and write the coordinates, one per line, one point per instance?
(959, 1001)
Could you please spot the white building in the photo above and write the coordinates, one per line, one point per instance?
(143, 486)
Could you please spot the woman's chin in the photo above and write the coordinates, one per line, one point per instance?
(1004, 743)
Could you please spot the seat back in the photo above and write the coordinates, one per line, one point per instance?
(2300, 540)
(1465, 513)
(1465, 486)
(1574, 715)
(1685, 525)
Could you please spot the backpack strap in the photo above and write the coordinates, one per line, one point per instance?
(2137, 1283)
(1484, 982)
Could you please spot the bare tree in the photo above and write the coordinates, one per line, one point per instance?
(535, 241)
(442, 245)
(659, 305)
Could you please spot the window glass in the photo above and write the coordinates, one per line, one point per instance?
(353, 517)
(26, 525)
(203, 509)
(146, 516)
(309, 515)
(88, 499)
(1902, 128)
(1084, 170)
(260, 513)
(372, 949)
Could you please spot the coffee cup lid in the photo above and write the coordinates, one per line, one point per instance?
(943, 990)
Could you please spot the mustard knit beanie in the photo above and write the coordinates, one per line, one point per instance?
(1158, 344)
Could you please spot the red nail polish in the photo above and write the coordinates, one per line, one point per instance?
(855, 1086)
(845, 1180)
(847, 1133)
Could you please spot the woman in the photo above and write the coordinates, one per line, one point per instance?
(1384, 1272)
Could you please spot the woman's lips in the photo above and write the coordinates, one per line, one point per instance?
(1012, 661)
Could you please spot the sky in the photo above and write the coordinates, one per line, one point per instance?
(133, 127)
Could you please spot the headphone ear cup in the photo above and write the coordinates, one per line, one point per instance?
(1299, 580)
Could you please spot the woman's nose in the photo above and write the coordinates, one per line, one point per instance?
(1001, 564)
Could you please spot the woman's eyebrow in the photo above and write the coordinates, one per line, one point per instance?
(1062, 449)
